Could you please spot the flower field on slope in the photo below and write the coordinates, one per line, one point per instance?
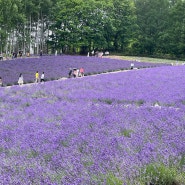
(106, 129)
(56, 67)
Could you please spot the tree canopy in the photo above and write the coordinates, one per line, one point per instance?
(133, 27)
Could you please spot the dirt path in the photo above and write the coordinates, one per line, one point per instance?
(65, 78)
(113, 57)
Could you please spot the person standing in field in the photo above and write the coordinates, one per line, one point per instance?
(132, 65)
(74, 73)
(1, 82)
(81, 71)
(20, 80)
(40, 53)
(77, 73)
(70, 72)
(42, 77)
(37, 77)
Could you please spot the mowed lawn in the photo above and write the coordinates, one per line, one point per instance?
(147, 59)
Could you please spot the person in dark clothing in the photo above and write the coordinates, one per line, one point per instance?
(75, 73)
(40, 52)
(1, 82)
(70, 73)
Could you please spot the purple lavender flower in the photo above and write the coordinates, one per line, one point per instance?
(88, 130)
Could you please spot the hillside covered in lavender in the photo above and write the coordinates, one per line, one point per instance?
(56, 67)
(119, 128)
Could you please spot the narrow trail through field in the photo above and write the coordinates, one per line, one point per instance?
(66, 78)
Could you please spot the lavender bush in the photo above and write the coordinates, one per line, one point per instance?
(106, 129)
(56, 67)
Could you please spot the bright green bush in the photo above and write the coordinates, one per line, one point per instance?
(159, 174)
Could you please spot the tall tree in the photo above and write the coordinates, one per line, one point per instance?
(123, 22)
(78, 24)
(38, 14)
(176, 30)
(10, 17)
(152, 17)
(93, 24)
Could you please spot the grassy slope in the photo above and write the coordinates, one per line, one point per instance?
(146, 59)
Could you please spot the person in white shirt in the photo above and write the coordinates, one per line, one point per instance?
(20, 80)
(42, 77)
(132, 65)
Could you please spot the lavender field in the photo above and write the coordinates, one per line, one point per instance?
(56, 67)
(119, 128)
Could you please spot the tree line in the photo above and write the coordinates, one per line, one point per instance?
(132, 27)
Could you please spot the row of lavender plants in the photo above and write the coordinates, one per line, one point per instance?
(119, 128)
(56, 67)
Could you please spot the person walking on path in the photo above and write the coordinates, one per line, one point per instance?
(42, 77)
(20, 80)
(37, 77)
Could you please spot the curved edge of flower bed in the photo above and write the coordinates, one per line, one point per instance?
(86, 74)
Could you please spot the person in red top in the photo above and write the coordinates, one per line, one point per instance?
(81, 71)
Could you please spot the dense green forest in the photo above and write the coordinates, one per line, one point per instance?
(133, 27)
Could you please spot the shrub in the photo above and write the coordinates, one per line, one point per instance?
(113, 180)
(159, 174)
(126, 132)
(9, 84)
(30, 81)
(140, 102)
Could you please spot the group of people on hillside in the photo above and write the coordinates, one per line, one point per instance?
(21, 79)
(38, 78)
(75, 72)
(98, 53)
(15, 54)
